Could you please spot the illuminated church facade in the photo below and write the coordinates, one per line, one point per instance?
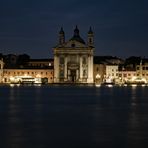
(73, 59)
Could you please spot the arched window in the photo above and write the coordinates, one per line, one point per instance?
(73, 45)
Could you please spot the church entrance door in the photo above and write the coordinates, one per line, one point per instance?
(73, 75)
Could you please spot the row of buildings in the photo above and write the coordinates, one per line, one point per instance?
(74, 62)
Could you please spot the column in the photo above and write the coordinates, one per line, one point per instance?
(81, 72)
(65, 69)
(56, 69)
(90, 69)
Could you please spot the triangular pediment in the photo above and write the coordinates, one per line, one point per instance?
(72, 43)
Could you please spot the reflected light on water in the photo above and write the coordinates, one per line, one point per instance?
(81, 115)
(110, 85)
(134, 85)
(11, 85)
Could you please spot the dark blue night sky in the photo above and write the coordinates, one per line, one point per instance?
(32, 26)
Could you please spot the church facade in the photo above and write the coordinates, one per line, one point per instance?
(73, 59)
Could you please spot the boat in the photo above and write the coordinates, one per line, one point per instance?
(27, 80)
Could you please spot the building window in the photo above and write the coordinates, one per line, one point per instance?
(84, 73)
(61, 73)
(138, 68)
(90, 40)
(84, 60)
(143, 68)
(97, 69)
(125, 75)
(73, 58)
(61, 60)
(73, 45)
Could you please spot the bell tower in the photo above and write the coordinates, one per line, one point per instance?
(61, 36)
(90, 40)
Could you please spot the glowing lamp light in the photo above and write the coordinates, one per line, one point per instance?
(11, 78)
(98, 76)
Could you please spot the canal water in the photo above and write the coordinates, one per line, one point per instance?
(73, 117)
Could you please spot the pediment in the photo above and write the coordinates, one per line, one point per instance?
(76, 44)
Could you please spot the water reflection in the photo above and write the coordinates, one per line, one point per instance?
(74, 116)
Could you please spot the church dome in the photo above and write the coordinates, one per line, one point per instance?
(76, 36)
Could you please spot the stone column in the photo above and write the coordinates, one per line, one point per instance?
(65, 69)
(56, 69)
(81, 71)
(90, 69)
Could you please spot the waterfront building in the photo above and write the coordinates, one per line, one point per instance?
(142, 70)
(99, 72)
(112, 73)
(31, 69)
(73, 59)
(1, 70)
(126, 75)
(11, 74)
(42, 63)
